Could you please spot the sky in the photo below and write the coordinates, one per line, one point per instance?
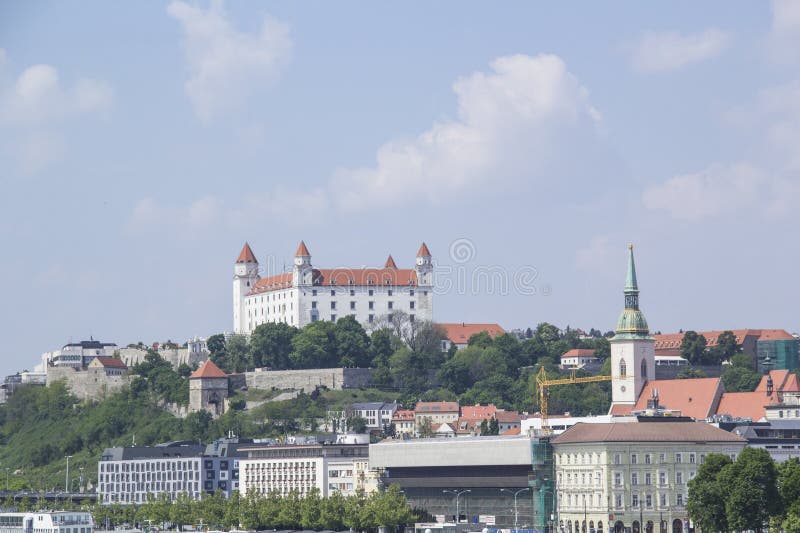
(527, 143)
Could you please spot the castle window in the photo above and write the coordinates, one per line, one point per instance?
(371, 305)
(623, 370)
(644, 369)
(411, 292)
(412, 305)
(390, 292)
(333, 293)
(352, 292)
(391, 304)
(333, 305)
(314, 292)
(352, 305)
(371, 292)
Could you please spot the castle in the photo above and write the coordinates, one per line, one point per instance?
(308, 294)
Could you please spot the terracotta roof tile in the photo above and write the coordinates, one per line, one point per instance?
(208, 370)
(403, 415)
(343, 277)
(697, 398)
(478, 411)
(513, 431)
(302, 249)
(246, 255)
(423, 251)
(390, 262)
(460, 333)
(646, 432)
(746, 404)
(436, 407)
(776, 335)
(111, 362)
(579, 352)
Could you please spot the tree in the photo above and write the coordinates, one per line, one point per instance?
(693, 347)
(352, 343)
(314, 346)
(310, 517)
(357, 424)
(216, 344)
(706, 503)
(752, 492)
(237, 354)
(789, 487)
(727, 346)
(271, 345)
(494, 427)
(425, 428)
(740, 379)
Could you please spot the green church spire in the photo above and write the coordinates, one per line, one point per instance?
(631, 323)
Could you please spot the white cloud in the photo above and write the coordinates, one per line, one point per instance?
(509, 121)
(784, 37)
(665, 51)
(718, 190)
(35, 108)
(225, 65)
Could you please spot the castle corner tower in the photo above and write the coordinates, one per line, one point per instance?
(245, 276)
(632, 347)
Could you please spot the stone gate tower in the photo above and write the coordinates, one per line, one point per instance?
(208, 389)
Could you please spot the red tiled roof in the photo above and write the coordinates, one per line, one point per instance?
(343, 277)
(436, 407)
(403, 415)
(697, 398)
(208, 370)
(782, 381)
(460, 333)
(775, 335)
(646, 432)
(513, 431)
(111, 362)
(507, 416)
(619, 409)
(673, 340)
(478, 411)
(302, 249)
(246, 255)
(746, 404)
(390, 262)
(579, 352)
(423, 251)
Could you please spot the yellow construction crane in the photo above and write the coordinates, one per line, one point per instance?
(542, 383)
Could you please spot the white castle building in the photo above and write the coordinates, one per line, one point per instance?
(308, 294)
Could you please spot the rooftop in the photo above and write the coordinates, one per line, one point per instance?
(645, 432)
(461, 333)
(208, 370)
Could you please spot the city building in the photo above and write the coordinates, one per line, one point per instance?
(459, 334)
(301, 467)
(769, 397)
(78, 355)
(578, 358)
(378, 415)
(632, 476)
(110, 366)
(307, 294)
(436, 413)
(127, 475)
(208, 389)
(404, 422)
(471, 478)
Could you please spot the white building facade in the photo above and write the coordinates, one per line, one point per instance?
(282, 469)
(308, 294)
(77, 355)
(632, 477)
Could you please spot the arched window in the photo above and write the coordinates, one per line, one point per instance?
(623, 369)
(644, 369)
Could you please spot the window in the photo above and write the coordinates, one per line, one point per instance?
(313, 305)
(390, 292)
(352, 292)
(678, 458)
(371, 292)
(371, 305)
(679, 500)
(411, 292)
(634, 478)
(663, 500)
(634, 459)
(634, 500)
(352, 305)
(623, 369)
(648, 478)
(647, 459)
(617, 479)
(662, 478)
(391, 306)
(411, 304)
(617, 459)
(333, 305)
(618, 501)
(692, 458)
(679, 478)
(333, 318)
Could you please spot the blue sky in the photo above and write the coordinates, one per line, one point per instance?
(142, 143)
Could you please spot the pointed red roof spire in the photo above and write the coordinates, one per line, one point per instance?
(246, 255)
(208, 370)
(302, 250)
(390, 262)
(423, 251)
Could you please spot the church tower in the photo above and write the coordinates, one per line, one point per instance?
(424, 267)
(632, 347)
(245, 276)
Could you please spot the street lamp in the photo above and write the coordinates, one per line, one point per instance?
(458, 494)
(517, 493)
